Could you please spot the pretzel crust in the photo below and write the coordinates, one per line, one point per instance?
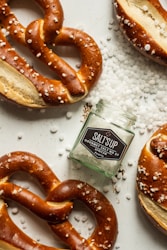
(151, 178)
(55, 209)
(21, 83)
(144, 25)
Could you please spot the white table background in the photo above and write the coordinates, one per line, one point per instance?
(22, 129)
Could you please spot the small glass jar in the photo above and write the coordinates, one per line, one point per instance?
(104, 139)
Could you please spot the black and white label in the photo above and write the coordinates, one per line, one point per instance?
(103, 143)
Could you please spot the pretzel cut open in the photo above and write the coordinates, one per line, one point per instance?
(152, 178)
(21, 83)
(144, 24)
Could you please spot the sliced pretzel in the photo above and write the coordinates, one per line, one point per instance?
(55, 209)
(35, 90)
(144, 24)
(152, 178)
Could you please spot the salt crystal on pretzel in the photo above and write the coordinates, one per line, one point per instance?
(55, 209)
(22, 84)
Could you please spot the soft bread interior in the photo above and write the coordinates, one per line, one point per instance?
(5, 246)
(146, 15)
(156, 213)
(15, 86)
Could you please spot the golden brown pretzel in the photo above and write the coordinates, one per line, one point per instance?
(144, 24)
(35, 90)
(152, 178)
(55, 209)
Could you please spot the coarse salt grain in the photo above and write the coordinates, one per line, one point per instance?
(90, 226)
(20, 135)
(84, 218)
(117, 189)
(61, 137)
(147, 47)
(69, 115)
(77, 218)
(54, 129)
(61, 152)
(22, 221)
(128, 197)
(68, 148)
(145, 8)
(15, 210)
(124, 176)
(106, 188)
(130, 163)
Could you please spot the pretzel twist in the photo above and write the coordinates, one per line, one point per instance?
(55, 209)
(152, 176)
(37, 90)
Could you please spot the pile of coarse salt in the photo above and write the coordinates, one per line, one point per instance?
(131, 81)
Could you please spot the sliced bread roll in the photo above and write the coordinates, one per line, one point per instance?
(152, 178)
(144, 23)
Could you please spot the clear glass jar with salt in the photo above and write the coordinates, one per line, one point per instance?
(104, 139)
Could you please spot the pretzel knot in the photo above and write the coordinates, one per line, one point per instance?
(23, 84)
(55, 209)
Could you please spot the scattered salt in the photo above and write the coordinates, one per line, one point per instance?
(61, 152)
(124, 176)
(128, 196)
(117, 189)
(84, 218)
(117, 247)
(119, 175)
(22, 221)
(77, 218)
(68, 148)
(15, 210)
(69, 115)
(90, 226)
(130, 163)
(114, 180)
(20, 135)
(61, 137)
(106, 188)
(54, 129)
(135, 85)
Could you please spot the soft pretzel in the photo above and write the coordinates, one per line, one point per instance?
(152, 178)
(55, 209)
(144, 24)
(21, 83)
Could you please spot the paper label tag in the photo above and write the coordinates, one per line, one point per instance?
(103, 143)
